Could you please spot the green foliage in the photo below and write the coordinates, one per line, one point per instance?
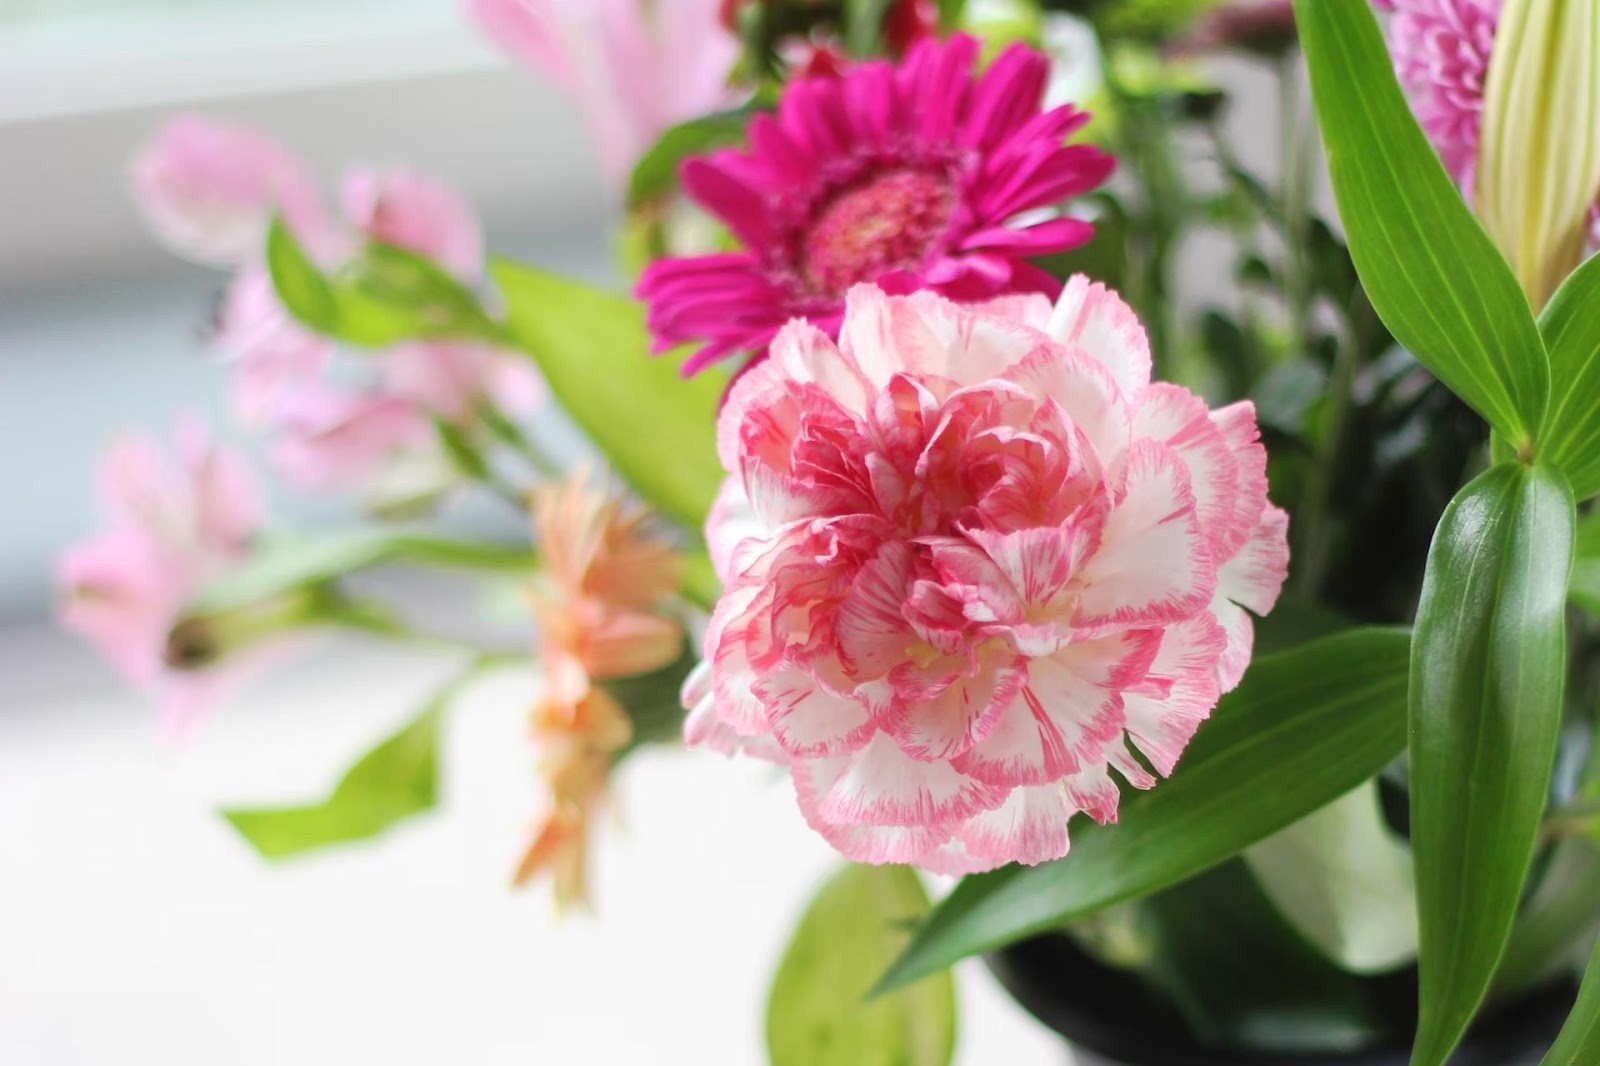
(290, 561)
(1303, 728)
(1571, 328)
(1432, 274)
(1487, 674)
(1343, 879)
(863, 26)
(1579, 1041)
(816, 1013)
(655, 175)
(387, 296)
(1237, 973)
(656, 428)
(1584, 589)
(394, 781)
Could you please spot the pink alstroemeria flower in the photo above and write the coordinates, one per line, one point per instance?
(634, 67)
(330, 434)
(917, 175)
(210, 189)
(970, 556)
(171, 526)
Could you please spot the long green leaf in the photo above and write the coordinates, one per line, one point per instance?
(1305, 727)
(657, 429)
(1432, 274)
(816, 1014)
(1579, 1041)
(1571, 437)
(1487, 671)
(289, 561)
(395, 780)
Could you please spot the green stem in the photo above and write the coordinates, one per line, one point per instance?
(509, 433)
(1580, 816)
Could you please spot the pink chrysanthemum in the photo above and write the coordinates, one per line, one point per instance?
(970, 555)
(919, 175)
(1441, 54)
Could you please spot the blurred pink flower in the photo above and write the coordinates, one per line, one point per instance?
(209, 190)
(634, 67)
(917, 176)
(1441, 54)
(329, 437)
(417, 213)
(172, 525)
(329, 434)
(990, 554)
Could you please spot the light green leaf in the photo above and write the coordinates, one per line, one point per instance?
(1303, 728)
(657, 429)
(817, 1013)
(395, 780)
(393, 295)
(289, 561)
(1554, 919)
(1571, 329)
(1579, 1041)
(1344, 881)
(1487, 671)
(1432, 274)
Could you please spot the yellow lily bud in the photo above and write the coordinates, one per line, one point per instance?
(1539, 153)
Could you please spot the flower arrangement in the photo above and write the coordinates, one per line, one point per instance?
(1239, 659)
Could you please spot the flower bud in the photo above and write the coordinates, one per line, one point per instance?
(1539, 152)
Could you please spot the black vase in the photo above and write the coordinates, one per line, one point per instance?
(1111, 1018)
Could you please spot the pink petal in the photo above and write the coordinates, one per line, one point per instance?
(881, 785)
(1254, 577)
(1154, 565)
(807, 720)
(1180, 419)
(1092, 318)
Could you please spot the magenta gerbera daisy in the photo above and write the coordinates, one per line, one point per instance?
(916, 175)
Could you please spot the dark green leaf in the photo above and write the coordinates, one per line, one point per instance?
(1238, 973)
(1571, 328)
(817, 1014)
(656, 174)
(290, 561)
(1487, 672)
(395, 780)
(657, 429)
(1433, 275)
(1579, 1042)
(1303, 728)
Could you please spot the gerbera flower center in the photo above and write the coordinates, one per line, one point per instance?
(889, 221)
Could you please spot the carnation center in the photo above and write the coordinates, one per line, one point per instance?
(887, 222)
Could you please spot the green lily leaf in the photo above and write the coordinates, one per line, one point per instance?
(1571, 437)
(1432, 274)
(290, 561)
(1303, 728)
(816, 1013)
(1579, 1040)
(1343, 880)
(1488, 663)
(394, 781)
(657, 429)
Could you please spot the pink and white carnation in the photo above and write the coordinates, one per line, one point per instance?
(974, 561)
